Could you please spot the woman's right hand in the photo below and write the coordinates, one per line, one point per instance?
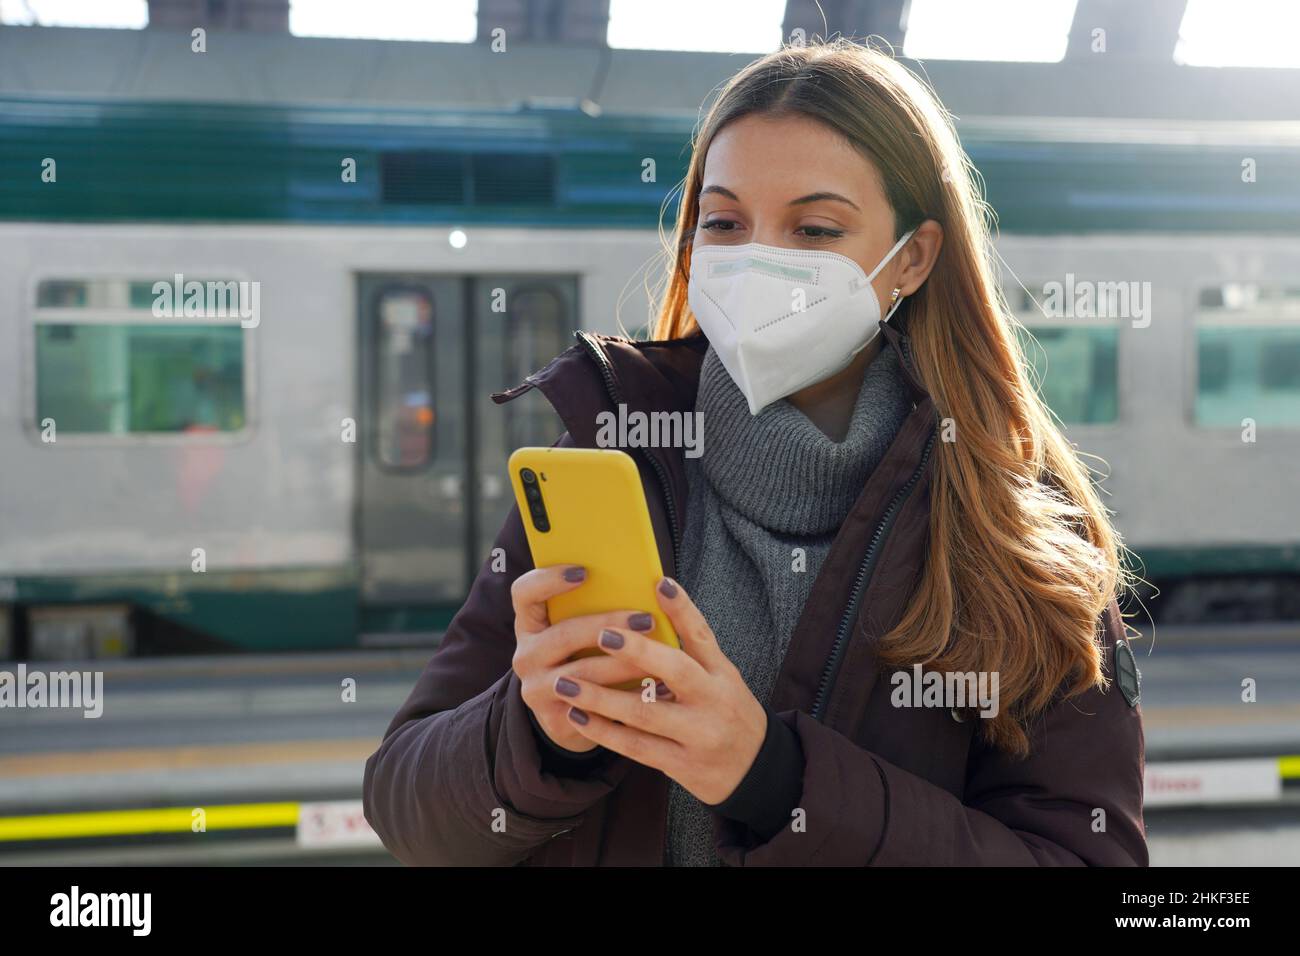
(543, 649)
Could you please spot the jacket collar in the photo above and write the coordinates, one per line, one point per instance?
(896, 336)
(656, 375)
(600, 372)
(666, 371)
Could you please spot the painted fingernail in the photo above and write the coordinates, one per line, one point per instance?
(667, 588)
(641, 622)
(567, 687)
(578, 716)
(611, 639)
(575, 574)
(661, 689)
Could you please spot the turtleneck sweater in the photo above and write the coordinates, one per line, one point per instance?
(765, 501)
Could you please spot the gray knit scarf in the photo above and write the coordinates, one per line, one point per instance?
(765, 501)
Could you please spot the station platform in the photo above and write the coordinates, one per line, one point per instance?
(270, 752)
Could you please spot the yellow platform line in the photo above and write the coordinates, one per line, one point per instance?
(64, 826)
(235, 816)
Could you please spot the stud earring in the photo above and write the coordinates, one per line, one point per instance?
(893, 297)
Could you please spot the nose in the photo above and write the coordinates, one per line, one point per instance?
(768, 236)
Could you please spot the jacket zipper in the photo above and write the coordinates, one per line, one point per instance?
(859, 582)
(611, 386)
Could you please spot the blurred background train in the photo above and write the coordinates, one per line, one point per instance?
(341, 465)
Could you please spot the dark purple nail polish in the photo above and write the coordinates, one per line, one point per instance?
(567, 687)
(667, 588)
(661, 689)
(611, 639)
(641, 622)
(578, 716)
(575, 574)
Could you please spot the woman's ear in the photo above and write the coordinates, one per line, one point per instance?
(918, 257)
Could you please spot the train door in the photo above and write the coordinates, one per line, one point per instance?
(521, 322)
(412, 438)
(433, 446)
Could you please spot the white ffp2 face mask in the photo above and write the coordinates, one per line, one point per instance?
(783, 319)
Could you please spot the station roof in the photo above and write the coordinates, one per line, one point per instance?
(280, 69)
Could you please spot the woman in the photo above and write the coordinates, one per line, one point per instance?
(872, 514)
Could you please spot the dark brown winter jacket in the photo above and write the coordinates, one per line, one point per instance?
(461, 777)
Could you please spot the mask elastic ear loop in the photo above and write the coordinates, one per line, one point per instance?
(889, 255)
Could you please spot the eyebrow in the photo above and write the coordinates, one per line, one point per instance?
(818, 197)
(801, 201)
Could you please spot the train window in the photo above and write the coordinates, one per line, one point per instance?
(1279, 365)
(62, 294)
(1247, 355)
(105, 364)
(404, 378)
(1250, 299)
(513, 179)
(538, 328)
(1213, 367)
(1075, 365)
(1077, 371)
(226, 295)
(127, 379)
(1245, 372)
(423, 176)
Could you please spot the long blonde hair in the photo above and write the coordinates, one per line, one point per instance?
(1022, 559)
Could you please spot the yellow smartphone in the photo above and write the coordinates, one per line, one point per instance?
(586, 506)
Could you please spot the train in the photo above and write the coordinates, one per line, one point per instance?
(330, 471)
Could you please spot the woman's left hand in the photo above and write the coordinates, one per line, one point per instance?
(705, 734)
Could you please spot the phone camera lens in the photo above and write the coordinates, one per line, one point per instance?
(533, 495)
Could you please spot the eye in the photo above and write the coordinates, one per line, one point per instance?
(719, 225)
(822, 233)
